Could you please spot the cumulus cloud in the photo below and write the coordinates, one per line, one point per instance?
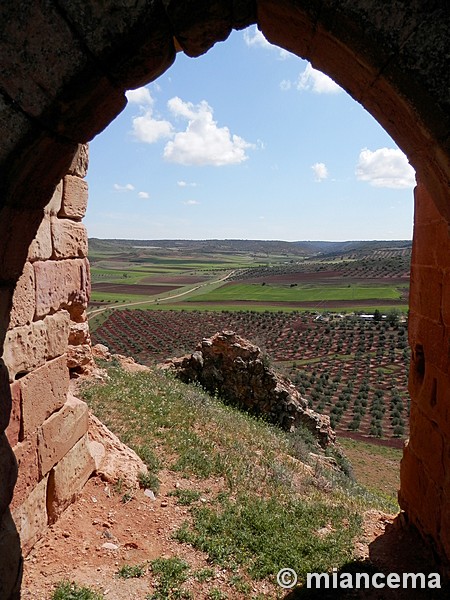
(191, 202)
(140, 96)
(320, 171)
(203, 142)
(254, 38)
(317, 82)
(144, 195)
(385, 167)
(128, 187)
(149, 130)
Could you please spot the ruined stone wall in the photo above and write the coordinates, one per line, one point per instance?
(48, 335)
(425, 468)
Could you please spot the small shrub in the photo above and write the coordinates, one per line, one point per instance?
(66, 590)
(131, 571)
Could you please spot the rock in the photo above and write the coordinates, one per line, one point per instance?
(113, 460)
(100, 351)
(110, 546)
(237, 371)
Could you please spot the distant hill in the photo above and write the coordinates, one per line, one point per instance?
(300, 248)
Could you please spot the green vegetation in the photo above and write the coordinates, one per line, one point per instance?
(65, 590)
(269, 510)
(300, 293)
(131, 571)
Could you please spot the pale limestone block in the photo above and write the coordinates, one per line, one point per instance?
(74, 198)
(41, 247)
(69, 239)
(68, 477)
(24, 298)
(61, 284)
(79, 356)
(44, 391)
(31, 516)
(60, 432)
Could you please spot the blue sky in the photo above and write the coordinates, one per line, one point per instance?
(248, 142)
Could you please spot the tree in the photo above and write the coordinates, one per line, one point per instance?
(377, 316)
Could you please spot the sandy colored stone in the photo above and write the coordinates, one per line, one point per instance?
(28, 474)
(30, 346)
(31, 516)
(13, 431)
(79, 333)
(68, 477)
(116, 461)
(61, 284)
(80, 162)
(41, 247)
(79, 356)
(74, 198)
(44, 391)
(54, 206)
(69, 239)
(24, 298)
(60, 432)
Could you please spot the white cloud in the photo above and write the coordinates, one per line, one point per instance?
(191, 202)
(140, 96)
(149, 130)
(320, 171)
(128, 187)
(385, 167)
(144, 195)
(254, 38)
(186, 184)
(203, 142)
(317, 82)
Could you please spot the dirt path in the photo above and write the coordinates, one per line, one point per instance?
(159, 300)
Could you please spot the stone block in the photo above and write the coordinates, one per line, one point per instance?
(28, 473)
(79, 356)
(80, 162)
(69, 239)
(41, 247)
(29, 347)
(68, 477)
(14, 429)
(24, 298)
(61, 284)
(11, 563)
(79, 333)
(74, 198)
(54, 206)
(60, 432)
(8, 473)
(31, 516)
(44, 391)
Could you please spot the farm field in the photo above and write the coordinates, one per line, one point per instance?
(354, 370)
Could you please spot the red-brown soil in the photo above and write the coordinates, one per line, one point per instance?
(139, 289)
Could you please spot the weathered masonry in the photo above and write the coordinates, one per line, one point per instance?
(64, 69)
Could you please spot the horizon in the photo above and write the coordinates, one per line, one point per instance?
(215, 239)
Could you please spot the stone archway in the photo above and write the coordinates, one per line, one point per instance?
(64, 70)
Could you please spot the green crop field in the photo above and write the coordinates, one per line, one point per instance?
(300, 293)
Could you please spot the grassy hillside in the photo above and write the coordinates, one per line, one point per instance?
(258, 499)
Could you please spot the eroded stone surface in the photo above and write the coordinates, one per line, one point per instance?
(24, 298)
(75, 194)
(236, 369)
(69, 239)
(31, 516)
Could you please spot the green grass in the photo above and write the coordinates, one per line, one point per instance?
(65, 590)
(300, 293)
(171, 573)
(131, 571)
(269, 510)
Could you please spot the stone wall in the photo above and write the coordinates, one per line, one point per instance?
(425, 468)
(48, 336)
